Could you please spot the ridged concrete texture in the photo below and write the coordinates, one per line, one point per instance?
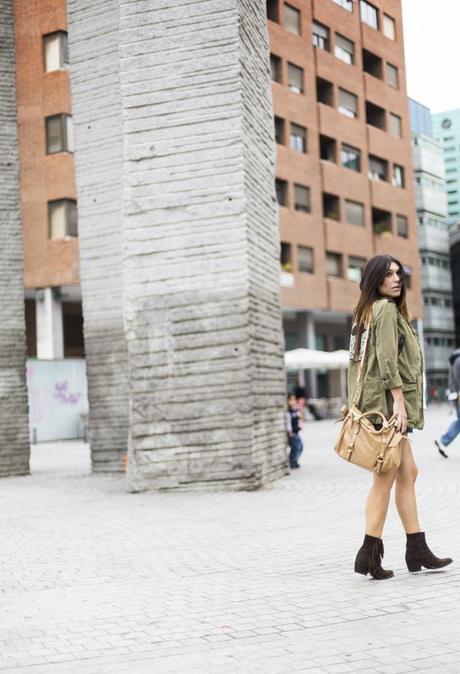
(96, 107)
(201, 257)
(200, 237)
(14, 427)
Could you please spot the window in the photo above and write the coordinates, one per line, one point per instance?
(331, 206)
(333, 264)
(389, 27)
(381, 221)
(295, 78)
(286, 256)
(320, 36)
(275, 67)
(355, 268)
(351, 158)
(392, 76)
(354, 212)
(59, 134)
(395, 125)
(324, 91)
(305, 259)
(378, 168)
(375, 115)
(279, 130)
(398, 176)
(402, 227)
(346, 4)
(72, 326)
(369, 14)
(348, 103)
(302, 198)
(298, 138)
(62, 218)
(344, 49)
(273, 10)
(328, 148)
(281, 192)
(292, 19)
(55, 51)
(372, 64)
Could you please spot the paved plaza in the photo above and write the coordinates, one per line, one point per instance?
(94, 579)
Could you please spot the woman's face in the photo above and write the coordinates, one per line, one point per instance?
(392, 284)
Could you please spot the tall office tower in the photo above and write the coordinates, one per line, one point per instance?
(438, 318)
(344, 165)
(446, 127)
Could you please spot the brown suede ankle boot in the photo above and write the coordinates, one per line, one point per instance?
(418, 554)
(369, 557)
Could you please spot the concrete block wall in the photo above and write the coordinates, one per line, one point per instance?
(14, 427)
(200, 260)
(96, 107)
(207, 404)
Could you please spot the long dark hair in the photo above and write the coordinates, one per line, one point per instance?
(373, 276)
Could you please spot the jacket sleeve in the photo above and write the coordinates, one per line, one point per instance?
(288, 422)
(386, 343)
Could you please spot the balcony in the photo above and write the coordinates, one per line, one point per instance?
(428, 156)
(437, 357)
(434, 278)
(438, 318)
(433, 238)
(430, 199)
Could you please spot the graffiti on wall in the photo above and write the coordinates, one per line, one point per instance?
(57, 398)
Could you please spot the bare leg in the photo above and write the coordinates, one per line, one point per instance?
(406, 501)
(377, 503)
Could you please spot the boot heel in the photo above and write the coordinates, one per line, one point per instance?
(414, 566)
(361, 568)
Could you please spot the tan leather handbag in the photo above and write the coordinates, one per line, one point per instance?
(360, 443)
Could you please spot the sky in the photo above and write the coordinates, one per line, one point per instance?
(432, 48)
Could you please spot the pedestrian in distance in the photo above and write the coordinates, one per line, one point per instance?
(454, 392)
(294, 424)
(303, 401)
(392, 380)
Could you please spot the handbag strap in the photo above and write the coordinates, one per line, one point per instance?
(358, 387)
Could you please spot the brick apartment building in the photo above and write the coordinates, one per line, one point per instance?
(344, 167)
(47, 184)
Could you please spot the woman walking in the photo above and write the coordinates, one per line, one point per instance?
(392, 381)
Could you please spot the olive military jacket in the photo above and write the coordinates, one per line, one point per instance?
(392, 359)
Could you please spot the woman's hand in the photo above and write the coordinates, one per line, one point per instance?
(399, 410)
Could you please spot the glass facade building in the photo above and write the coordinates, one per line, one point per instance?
(446, 128)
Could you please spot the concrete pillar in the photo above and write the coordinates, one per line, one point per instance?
(14, 428)
(49, 326)
(200, 256)
(308, 338)
(97, 116)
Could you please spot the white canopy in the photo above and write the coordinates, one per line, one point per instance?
(310, 359)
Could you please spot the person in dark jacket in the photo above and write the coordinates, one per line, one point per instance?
(454, 392)
(303, 401)
(294, 421)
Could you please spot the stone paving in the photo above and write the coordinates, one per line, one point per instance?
(94, 579)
